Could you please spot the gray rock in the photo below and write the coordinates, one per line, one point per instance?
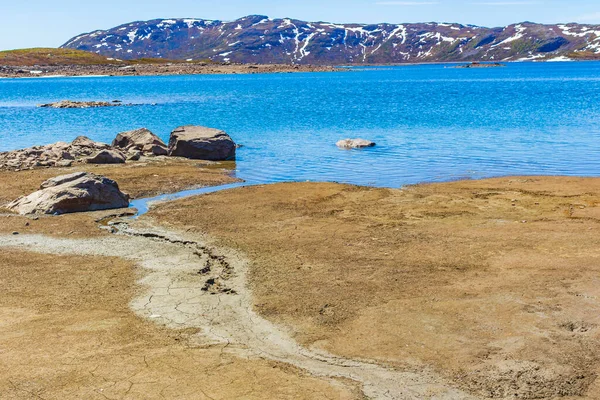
(76, 192)
(354, 143)
(155, 150)
(141, 139)
(135, 156)
(52, 154)
(107, 157)
(84, 141)
(64, 163)
(200, 143)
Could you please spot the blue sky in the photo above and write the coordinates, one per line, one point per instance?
(37, 23)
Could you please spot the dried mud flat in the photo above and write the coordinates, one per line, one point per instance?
(491, 284)
(191, 285)
(484, 289)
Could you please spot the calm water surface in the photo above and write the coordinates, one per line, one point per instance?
(431, 123)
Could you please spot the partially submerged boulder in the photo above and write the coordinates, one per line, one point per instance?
(201, 143)
(107, 157)
(354, 143)
(71, 193)
(140, 140)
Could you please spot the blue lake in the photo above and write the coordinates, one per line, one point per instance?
(430, 122)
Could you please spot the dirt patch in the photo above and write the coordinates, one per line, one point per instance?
(66, 332)
(492, 283)
(70, 225)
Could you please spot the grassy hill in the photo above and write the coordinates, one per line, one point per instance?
(49, 56)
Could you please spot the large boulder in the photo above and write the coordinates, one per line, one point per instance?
(76, 192)
(200, 143)
(107, 157)
(354, 143)
(140, 140)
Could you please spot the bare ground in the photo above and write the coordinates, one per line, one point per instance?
(66, 332)
(474, 289)
(189, 285)
(492, 284)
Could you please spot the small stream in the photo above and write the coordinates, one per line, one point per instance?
(143, 205)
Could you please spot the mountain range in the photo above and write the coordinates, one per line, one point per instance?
(259, 39)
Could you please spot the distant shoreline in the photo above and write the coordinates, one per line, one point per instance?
(181, 68)
(167, 69)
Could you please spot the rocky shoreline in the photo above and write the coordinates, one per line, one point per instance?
(84, 191)
(157, 69)
(190, 142)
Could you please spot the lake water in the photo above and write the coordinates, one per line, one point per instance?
(430, 122)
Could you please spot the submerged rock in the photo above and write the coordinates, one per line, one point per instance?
(354, 143)
(76, 192)
(201, 143)
(141, 140)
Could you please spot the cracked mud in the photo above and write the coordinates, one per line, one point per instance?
(188, 284)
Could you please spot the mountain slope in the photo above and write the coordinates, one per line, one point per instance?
(259, 39)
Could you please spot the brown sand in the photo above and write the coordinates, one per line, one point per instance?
(492, 283)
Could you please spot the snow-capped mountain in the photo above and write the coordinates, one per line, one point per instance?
(259, 39)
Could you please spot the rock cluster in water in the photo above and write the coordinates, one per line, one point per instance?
(76, 192)
(82, 104)
(481, 65)
(189, 142)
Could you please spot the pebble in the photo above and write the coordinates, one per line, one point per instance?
(15, 233)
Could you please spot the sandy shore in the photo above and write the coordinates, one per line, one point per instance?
(471, 289)
(155, 69)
